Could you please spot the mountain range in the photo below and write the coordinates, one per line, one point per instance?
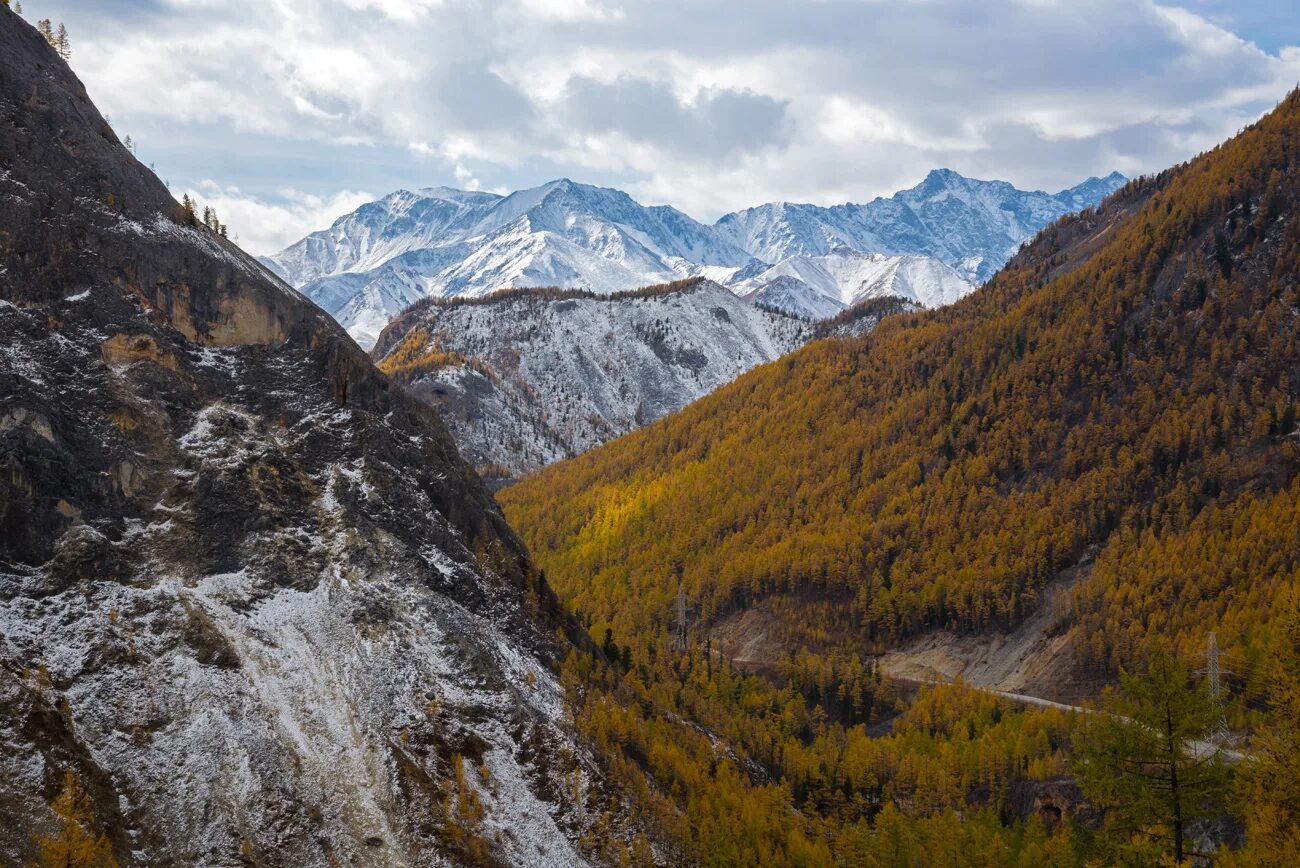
(256, 609)
(930, 245)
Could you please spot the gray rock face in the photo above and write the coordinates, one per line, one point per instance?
(249, 591)
(529, 377)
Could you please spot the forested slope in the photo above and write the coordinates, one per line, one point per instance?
(1129, 381)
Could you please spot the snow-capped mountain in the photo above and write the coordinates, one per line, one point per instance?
(931, 244)
(438, 242)
(526, 378)
(820, 286)
(971, 225)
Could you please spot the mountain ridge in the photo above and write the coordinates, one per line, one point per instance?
(526, 377)
(937, 473)
(253, 604)
(370, 264)
(905, 222)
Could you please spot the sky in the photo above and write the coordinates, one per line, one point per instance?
(286, 114)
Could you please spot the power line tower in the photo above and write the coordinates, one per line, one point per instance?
(1214, 673)
(681, 614)
(1212, 665)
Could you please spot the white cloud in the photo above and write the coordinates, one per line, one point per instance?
(465, 178)
(262, 227)
(707, 106)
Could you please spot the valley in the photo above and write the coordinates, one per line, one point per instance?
(956, 527)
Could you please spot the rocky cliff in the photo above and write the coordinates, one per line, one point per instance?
(250, 595)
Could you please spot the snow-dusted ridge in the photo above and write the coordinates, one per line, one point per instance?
(527, 377)
(931, 243)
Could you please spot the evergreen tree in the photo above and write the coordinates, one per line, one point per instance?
(187, 210)
(1272, 780)
(1148, 760)
(18, 7)
(46, 29)
(61, 44)
(75, 845)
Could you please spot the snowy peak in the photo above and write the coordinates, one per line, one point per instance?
(441, 242)
(821, 286)
(1090, 192)
(377, 231)
(971, 225)
(373, 262)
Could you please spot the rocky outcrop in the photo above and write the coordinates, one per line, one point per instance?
(249, 592)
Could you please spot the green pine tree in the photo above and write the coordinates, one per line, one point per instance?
(1149, 761)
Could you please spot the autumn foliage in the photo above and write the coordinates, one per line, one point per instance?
(75, 843)
(1128, 382)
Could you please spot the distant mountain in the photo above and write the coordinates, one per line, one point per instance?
(930, 244)
(973, 226)
(443, 243)
(820, 286)
(524, 378)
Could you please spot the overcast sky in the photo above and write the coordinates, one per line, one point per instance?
(285, 114)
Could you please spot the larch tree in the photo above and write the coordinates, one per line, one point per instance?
(75, 844)
(187, 210)
(1271, 793)
(61, 43)
(1149, 760)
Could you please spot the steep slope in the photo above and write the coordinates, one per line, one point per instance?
(1128, 382)
(250, 596)
(970, 225)
(442, 243)
(527, 377)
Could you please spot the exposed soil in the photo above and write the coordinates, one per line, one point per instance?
(1036, 659)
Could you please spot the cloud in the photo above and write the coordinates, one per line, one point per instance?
(263, 227)
(706, 106)
(715, 123)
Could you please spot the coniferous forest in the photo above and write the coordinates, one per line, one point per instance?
(1121, 396)
(986, 573)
